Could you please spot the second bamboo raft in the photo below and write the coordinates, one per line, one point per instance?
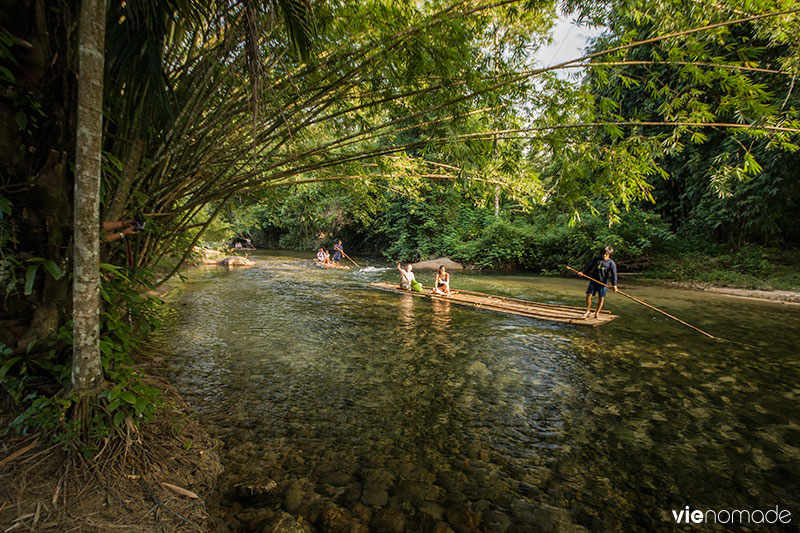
(514, 306)
(329, 265)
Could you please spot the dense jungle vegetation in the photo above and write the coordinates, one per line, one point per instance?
(407, 129)
(712, 207)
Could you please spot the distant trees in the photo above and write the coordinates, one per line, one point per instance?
(724, 110)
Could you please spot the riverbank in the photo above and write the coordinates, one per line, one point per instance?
(765, 272)
(154, 478)
(785, 297)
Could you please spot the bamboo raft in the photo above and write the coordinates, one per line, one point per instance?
(514, 306)
(329, 265)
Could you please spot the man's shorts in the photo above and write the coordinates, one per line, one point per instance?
(596, 288)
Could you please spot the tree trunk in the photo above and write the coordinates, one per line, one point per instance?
(87, 370)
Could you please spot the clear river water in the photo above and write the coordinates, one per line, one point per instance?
(386, 412)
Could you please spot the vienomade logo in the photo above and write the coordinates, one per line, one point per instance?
(732, 516)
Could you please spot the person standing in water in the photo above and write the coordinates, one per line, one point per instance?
(603, 269)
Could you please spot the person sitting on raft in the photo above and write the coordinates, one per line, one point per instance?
(441, 285)
(321, 255)
(407, 281)
(603, 269)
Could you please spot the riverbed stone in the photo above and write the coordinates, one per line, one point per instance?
(336, 478)
(284, 523)
(256, 489)
(255, 519)
(435, 263)
(295, 495)
(497, 522)
(352, 493)
(546, 518)
(375, 494)
(388, 520)
(433, 510)
(462, 518)
(334, 519)
(442, 527)
(362, 512)
(235, 261)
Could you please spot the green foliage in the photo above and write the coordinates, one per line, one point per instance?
(46, 414)
(6, 42)
(129, 397)
(48, 265)
(546, 243)
(751, 266)
(125, 317)
(10, 267)
(732, 185)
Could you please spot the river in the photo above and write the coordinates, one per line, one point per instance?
(384, 412)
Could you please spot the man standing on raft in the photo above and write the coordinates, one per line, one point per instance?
(603, 269)
(338, 250)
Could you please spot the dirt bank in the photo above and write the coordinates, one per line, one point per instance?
(785, 297)
(153, 479)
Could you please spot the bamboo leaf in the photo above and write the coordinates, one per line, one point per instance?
(22, 120)
(53, 269)
(30, 278)
(179, 490)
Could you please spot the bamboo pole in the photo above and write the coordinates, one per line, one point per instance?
(351, 259)
(648, 305)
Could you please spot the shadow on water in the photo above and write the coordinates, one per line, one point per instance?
(403, 411)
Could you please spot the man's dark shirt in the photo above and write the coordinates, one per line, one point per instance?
(602, 270)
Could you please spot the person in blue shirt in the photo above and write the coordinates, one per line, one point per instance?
(603, 269)
(338, 250)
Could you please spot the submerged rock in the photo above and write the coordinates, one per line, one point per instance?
(235, 261)
(284, 523)
(375, 494)
(442, 527)
(337, 520)
(256, 488)
(462, 519)
(388, 520)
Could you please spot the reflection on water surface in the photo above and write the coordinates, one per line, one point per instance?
(391, 412)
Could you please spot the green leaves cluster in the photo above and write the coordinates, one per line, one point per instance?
(130, 398)
(28, 379)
